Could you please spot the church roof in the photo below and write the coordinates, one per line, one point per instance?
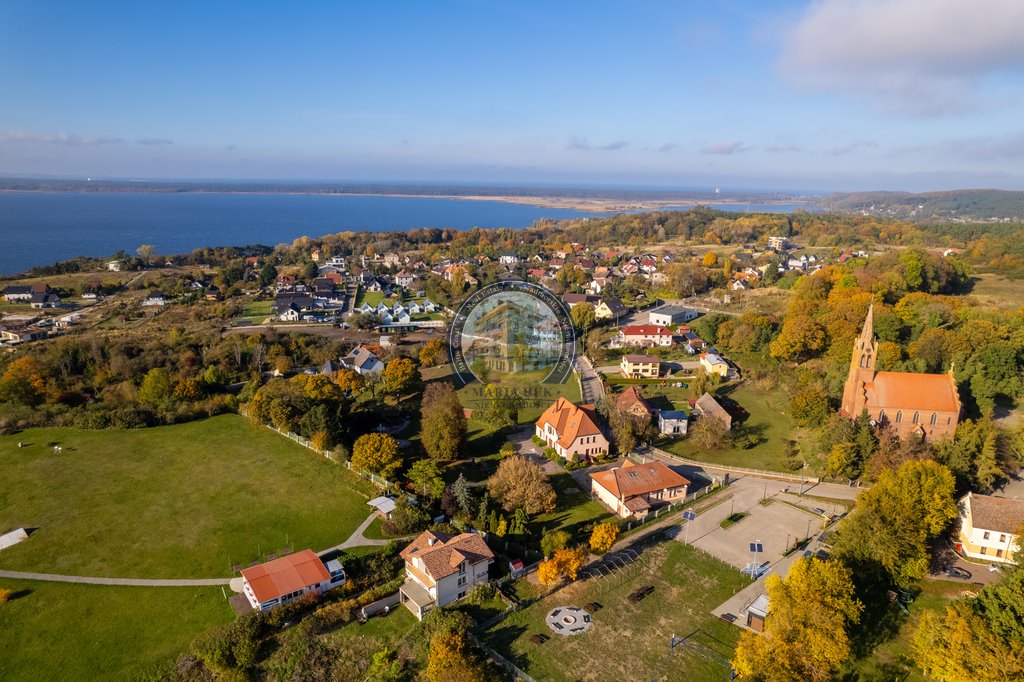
(910, 391)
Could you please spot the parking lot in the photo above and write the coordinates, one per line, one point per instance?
(775, 525)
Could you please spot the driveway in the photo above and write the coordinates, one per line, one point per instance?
(523, 440)
(590, 380)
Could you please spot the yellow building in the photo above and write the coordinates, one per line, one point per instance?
(639, 366)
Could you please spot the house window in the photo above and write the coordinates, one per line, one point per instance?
(984, 550)
(461, 594)
(899, 416)
(462, 581)
(462, 567)
(999, 553)
(1002, 537)
(985, 536)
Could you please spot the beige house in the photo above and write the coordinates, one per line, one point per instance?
(633, 489)
(640, 366)
(990, 527)
(571, 430)
(441, 569)
(610, 309)
(288, 578)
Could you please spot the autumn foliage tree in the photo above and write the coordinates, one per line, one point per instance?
(521, 484)
(433, 352)
(443, 422)
(565, 563)
(603, 537)
(805, 633)
(400, 376)
(376, 453)
(451, 658)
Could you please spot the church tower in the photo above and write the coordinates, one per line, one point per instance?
(862, 367)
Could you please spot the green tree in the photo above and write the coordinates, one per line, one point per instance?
(376, 453)
(554, 541)
(442, 422)
(892, 521)
(425, 477)
(268, 274)
(583, 316)
(801, 337)
(805, 634)
(156, 386)
(400, 376)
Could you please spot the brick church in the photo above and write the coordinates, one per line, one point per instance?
(919, 405)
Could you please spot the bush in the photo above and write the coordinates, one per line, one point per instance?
(406, 519)
(481, 594)
(551, 454)
(538, 441)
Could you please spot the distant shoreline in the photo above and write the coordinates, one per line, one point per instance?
(584, 204)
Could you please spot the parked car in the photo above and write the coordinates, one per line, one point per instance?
(957, 572)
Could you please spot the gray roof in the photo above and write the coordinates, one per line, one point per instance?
(710, 407)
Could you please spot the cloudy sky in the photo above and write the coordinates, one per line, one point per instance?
(828, 95)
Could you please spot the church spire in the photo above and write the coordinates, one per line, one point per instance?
(867, 334)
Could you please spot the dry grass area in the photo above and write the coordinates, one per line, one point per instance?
(995, 291)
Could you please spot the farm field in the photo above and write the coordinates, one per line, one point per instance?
(54, 631)
(686, 585)
(183, 501)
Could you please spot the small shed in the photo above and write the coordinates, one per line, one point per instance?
(757, 612)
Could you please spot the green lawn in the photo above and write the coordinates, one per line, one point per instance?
(257, 311)
(768, 422)
(371, 297)
(574, 511)
(631, 641)
(178, 501)
(55, 631)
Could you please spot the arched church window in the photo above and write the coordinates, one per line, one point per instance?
(935, 419)
(899, 416)
(917, 417)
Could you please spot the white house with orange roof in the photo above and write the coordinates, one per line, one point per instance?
(288, 578)
(441, 569)
(633, 489)
(990, 527)
(572, 430)
(644, 335)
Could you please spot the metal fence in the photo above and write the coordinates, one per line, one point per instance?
(327, 454)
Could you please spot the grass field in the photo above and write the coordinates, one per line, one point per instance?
(996, 291)
(575, 510)
(178, 501)
(256, 311)
(631, 641)
(768, 422)
(55, 631)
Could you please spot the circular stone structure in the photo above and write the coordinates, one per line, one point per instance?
(569, 620)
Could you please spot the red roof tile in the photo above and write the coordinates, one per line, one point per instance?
(285, 575)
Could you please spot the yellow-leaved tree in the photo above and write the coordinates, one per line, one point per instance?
(805, 633)
(603, 537)
(451, 659)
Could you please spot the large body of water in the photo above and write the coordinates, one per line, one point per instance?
(40, 228)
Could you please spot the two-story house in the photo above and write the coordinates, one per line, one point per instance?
(645, 335)
(990, 527)
(640, 366)
(441, 569)
(572, 430)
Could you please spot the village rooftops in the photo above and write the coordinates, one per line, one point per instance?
(570, 421)
(286, 575)
(442, 554)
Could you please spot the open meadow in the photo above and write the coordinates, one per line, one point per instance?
(183, 501)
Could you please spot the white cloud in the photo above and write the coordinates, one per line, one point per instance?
(68, 139)
(913, 57)
(725, 148)
(841, 149)
(583, 144)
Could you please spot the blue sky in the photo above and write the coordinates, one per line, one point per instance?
(830, 95)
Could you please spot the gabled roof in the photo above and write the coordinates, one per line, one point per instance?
(635, 359)
(999, 514)
(615, 306)
(570, 421)
(631, 479)
(285, 575)
(710, 407)
(911, 391)
(442, 558)
(631, 398)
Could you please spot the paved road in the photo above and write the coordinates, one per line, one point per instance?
(357, 539)
(131, 582)
(593, 389)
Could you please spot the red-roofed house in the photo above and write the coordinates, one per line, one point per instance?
(632, 489)
(442, 568)
(645, 335)
(290, 577)
(921, 405)
(572, 430)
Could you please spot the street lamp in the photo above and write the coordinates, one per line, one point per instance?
(688, 516)
(755, 548)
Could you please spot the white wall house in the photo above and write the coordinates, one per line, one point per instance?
(289, 578)
(441, 569)
(989, 527)
(672, 314)
(571, 430)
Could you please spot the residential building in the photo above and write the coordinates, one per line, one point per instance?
(672, 314)
(714, 364)
(288, 578)
(644, 335)
(990, 527)
(405, 279)
(709, 407)
(47, 300)
(362, 362)
(441, 569)
(610, 309)
(921, 405)
(740, 285)
(18, 293)
(155, 298)
(115, 265)
(631, 402)
(14, 335)
(673, 422)
(572, 430)
(573, 300)
(633, 489)
(778, 243)
(640, 366)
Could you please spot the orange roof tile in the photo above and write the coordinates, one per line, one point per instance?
(645, 330)
(910, 391)
(633, 479)
(443, 557)
(285, 575)
(570, 421)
